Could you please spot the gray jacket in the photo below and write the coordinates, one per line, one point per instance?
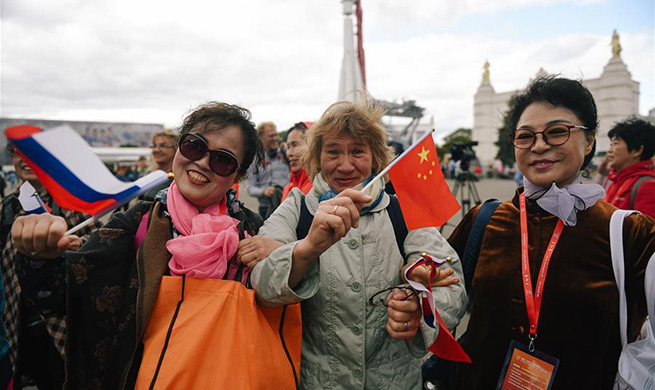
(275, 172)
(345, 342)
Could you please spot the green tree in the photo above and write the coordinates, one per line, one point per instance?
(505, 147)
(283, 135)
(460, 135)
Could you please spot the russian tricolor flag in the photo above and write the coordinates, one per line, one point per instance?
(73, 175)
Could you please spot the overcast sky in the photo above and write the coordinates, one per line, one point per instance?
(152, 61)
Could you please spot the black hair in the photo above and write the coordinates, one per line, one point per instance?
(301, 126)
(636, 133)
(398, 148)
(10, 149)
(215, 116)
(560, 92)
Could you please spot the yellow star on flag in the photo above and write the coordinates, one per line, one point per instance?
(423, 155)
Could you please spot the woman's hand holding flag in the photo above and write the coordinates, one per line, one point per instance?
(42, 236)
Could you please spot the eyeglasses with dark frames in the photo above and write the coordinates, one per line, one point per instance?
(554, 135)
(380, 297)
(222, 162)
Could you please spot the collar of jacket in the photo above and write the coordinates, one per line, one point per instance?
(152, 263)
(641, 168)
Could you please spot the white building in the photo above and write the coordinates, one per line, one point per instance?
(615, 92)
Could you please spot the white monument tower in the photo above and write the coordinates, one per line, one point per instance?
(485, 118)
(615, 92)
(351, 74)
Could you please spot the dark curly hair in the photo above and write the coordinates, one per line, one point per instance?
(636, 133)
(560, 92)
(215, 116)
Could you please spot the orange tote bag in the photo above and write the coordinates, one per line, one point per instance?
(211, 334)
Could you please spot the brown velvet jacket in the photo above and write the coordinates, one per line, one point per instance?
(579, 322)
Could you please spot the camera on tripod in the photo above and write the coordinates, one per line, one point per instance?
(463, 152)
(464, 189)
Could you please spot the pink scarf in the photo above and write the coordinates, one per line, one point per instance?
(208, 241)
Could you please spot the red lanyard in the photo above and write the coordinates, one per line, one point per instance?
(533, 303)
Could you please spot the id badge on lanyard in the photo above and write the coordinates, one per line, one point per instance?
(525, 367)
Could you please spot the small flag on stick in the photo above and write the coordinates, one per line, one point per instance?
(421, 188)
(73, 175)
(30, 200)
(445, 346)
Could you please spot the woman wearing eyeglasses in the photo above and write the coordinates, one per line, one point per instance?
(544, 287)
(339, 251)
(164, 146)
(191, 229)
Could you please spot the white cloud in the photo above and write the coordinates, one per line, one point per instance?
(394, 16)
(152, 61)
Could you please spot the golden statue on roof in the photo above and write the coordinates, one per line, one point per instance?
(616, 46)
(485, 73)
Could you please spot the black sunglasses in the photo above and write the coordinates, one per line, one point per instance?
(222, 162)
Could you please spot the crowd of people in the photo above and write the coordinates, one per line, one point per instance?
(149, 300)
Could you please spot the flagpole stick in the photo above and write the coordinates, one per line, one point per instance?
(80, 226)
(395, 161)
(40, 201)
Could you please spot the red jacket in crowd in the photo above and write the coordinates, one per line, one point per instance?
(300, 180)
(621, 183)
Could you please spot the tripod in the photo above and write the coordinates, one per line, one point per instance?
(465, 192)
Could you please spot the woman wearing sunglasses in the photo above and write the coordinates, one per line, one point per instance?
(192, 229)
(544, 287)
(346, 255)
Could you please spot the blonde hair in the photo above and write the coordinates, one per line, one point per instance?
(171, 135)
(361, 120)
(262, 125)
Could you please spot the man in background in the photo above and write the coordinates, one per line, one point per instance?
(266, 184)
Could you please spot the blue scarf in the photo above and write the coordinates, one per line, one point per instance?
(326, 192)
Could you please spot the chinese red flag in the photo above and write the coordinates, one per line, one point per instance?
(422, 191)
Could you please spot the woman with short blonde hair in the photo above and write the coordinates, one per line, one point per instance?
(164, 146)
(346, 256)
(361, 121)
